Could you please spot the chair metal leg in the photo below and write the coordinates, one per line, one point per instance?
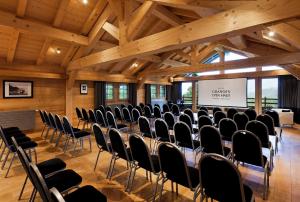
(47, 132)
(109, 168)
(33, 194)
(23, 187)
(112, 168)
(75, 145)
(58, 139)
(35, 155)
(2, 153)
(1, 144)
(97, 159)
(43, 130)
(6, 157)
(90, 141)
(66, 144)
(78, 123)
(162, 188)
(155, 188)
(53, 134)
(11, 162)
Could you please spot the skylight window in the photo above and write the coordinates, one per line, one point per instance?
(230, 56)
(270, 68)
(208, 73)
(242, 70)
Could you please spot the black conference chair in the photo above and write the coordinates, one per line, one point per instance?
(139, 108)
(54, 126)
(150, 107)
(142, 158)
(142, 105)
(204, 121)
(122, 106)
(102, 142)
(128, 118)
(231, 112)
(202, 113)
(145, 128)
(130, 108)
(92, 116)
(216, 109)
(269, 122)
(251, 113)
(218, 115)
(227, 128)
(166, 108)
(190, 113)
(108, 109)
(261, 131)
(85, 193)
(49, 126)
(101, 119)
(79, 116)
(77, 136)
(118, 114)
(157, 112)
(102, 109)
(43, 121)
(148, 112)
(60, 128)
(274, 114)
(169, 119)
(47, 168)
(111, 122)
(220, 180)
(135, 115)
(174, 167)
(211, 142)
(184, 139)
(119, 150)
(247, 148)
(186, 119)
(86, 119)
(162, 132)
(241, 120)
(175, 110)
(203, 108)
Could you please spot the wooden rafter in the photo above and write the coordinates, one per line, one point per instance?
(111, 29)
(167, 16)
(12, 46)
(288, 32)
(21, 8)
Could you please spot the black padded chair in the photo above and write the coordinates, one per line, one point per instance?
(85, 193)
(247, 148)
(147, 112)
(135, 116)
(184, 139)
(274, 114)
(218, 115)
(130, 108)
(251, 113)
(175, 110)
(128, 118)
(269, 122)
(211, 141)
(145, 128)
(92, 116)
(102, 109)
(101, 119)
(227, 128)
(139, 108)
(43, 121)
(119, 150)
(102, 142)
(204, 121)
(79, 116)
(122, 106)
(190, 113)
(49, 125)
(174, 167)
(157, 112)
(86, 119)
(118, 114)
(142, 105)
(150, 107)
(169, 119)
(77, 135)
(203, 108)
(162, 132)
(166, 108)
(261, 131)
(202, 113)
(220, 180)
(231, 112)
(186, 119)
(142, 158)
(108, 109)
(60, 128)
(111, 122)
(216, 109)
(54, 126)
(241, 120)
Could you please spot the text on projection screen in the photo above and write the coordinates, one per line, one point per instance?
(223, 92)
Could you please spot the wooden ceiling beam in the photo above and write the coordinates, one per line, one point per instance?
(12, 46)
(167, 16)
(288, 32)
(174, 63)
(239, 41)
(220, 26)
(112, 30)
(30, 74)
(152, 58)
(21, 8)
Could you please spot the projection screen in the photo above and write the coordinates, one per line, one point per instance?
(223, 92)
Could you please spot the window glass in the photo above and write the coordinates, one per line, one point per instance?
(153, 91)
(270, 68)
(187, 92)
(251, 93)
(242, 70)
(123, 92)
(269, 93)
(162, 91)
(109, 91)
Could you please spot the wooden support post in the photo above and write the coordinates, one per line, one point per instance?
(194, 96)
(258, 101)
(69, 95)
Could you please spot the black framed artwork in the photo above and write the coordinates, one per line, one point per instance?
(17, 89)
(83, 89)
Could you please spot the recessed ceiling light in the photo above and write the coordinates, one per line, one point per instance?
(58, 51)
(85, 2)
(271, 33)
(135, 64)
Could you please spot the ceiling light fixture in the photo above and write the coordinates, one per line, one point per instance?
(271, 33)
(58, 51)
(85, 2)
(135, 64)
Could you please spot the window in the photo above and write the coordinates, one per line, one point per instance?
(251, 93)
(269, 93)
(162, 91)
(242, 70)
(230, 56)
(187, 92)
(109, 88)
(123, 92)
(270, 68)
(153, 91)
(208, 73)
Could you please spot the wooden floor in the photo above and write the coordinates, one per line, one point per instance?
(284, 181)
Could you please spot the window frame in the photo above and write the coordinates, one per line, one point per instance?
(126, 89)
(106, 91)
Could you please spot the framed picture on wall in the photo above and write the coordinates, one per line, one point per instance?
(83, 89)
(17, 89)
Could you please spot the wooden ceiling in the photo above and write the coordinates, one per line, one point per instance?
(142, 39)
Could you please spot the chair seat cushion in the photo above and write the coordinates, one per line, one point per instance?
(81, 134)
(86, 193)
(19, 139)
(63, 180)
(11, 130)
(194, 176)
(248, 193)
(51, 166)
(24, 145)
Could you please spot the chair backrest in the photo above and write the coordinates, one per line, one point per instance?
(268, 121)
(186, 119)
(144, 125)
(111, 122)
(150, 106)
(117, 144)
(92, 116)
(142, 105)
(202, 113)
(175, 110)
(101, 119)
(241, 119)
(118, 113)
(210, 139)
(204, 121)
(46, 116)
(203, 108)
(170, 120)
(102, 109)
(173, 163)
(231, 112)
(56, 195)
(220, 179)
(85, 115)
(161, 129)
(108, 109)
(157, 105)
(251, 113)
(42, 116)
(52, 120)
(130, 107)
(216, 109)
(227, 128)
(58, 123)
(100, 138)
(190, 113)
(122, 106)
(139, 108)
(259, 129)
(78, 113)
(67, 126)
(126, 114)
(148, 112)
(135, 115)
(140, 152)
(166, 108)
(183, 135)
(157, 112)
(218, 116)
(274, 114)
(246, 147)
(3, 137)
